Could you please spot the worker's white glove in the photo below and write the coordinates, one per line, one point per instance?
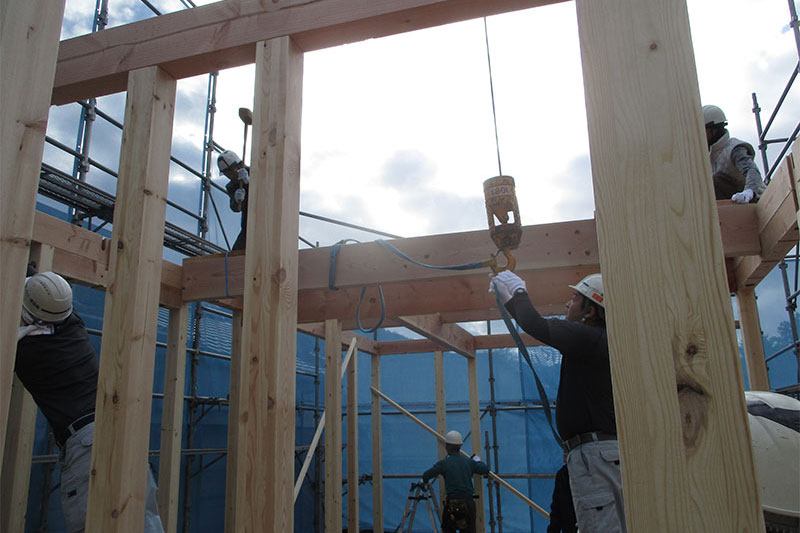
(476, 457)
(238, 196)
(506, 283)
(743, 197)
(243, 176)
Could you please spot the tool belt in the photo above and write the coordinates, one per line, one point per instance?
(458, 513)
(584, 438)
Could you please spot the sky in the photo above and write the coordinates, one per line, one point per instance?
(397, 133)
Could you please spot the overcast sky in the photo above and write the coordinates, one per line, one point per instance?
(397, 132)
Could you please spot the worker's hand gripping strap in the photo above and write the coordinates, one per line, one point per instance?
(332, 286)
(524, 352)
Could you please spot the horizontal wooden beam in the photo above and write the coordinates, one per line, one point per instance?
(223, 35)
(82, 256)
(482, 342)
(776, 213)
(448, 336)
(551, 257)
(364, 344)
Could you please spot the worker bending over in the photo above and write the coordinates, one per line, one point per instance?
(238, 186)
(736, 176)
(458, 511)
(56, 363)
(585, 403)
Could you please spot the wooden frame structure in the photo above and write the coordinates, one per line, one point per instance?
(681, 418)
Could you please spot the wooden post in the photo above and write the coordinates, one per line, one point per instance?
(29, 39)
(117, 489)
(16, 473)
(441, 410)
(751, 339)
(266, 410)
(475, 430)
(169, 461)
(333, 421)
(377, 447)
(352, 444)
(235, 451)
(687, 462)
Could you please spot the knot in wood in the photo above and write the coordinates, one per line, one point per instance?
(653, 46)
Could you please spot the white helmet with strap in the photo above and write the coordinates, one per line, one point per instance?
(227, 160)
(592, 288)
(47, 297)
(713, 115)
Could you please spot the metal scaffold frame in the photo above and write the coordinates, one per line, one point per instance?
(785, 143)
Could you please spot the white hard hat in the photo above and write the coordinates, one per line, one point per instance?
(592, 287)
(714, 116)
(454, 437)
(774, 421)
(227, 159)
(47, 297)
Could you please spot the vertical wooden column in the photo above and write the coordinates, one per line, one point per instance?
(751, 339)
(687, 462)
(441, 410)
(377, 447)
(235, 451)
(169, 461)
(16, 470)
(263, 496)
(352, 443)
(117, 488)
(333, 426)
(475, 430)
(29, 38)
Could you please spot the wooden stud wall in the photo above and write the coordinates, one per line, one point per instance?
(29, 32)
(333, 421)
(169, 460)
(16, 461)
(683, 370)
(117, 490)
(687, 463)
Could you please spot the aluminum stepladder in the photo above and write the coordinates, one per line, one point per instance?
(418, 492)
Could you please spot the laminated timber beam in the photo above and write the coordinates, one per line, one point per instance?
(450, 336)
(224, 35)
(777, 219)
(686, 456)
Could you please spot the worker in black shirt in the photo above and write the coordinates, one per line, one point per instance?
(56, 363)
(458, 511)
(585, 402)
(562, 511)
(233, 168)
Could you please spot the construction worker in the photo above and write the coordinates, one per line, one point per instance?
(233, 168)
(458, 511)
(56, 363)
(736, 176)
(585, 404)
(562, 511)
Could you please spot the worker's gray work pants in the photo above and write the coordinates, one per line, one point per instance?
(75, 461)
(596, 482)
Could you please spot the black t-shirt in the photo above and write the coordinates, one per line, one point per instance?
(60, 372)
(585, 400)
